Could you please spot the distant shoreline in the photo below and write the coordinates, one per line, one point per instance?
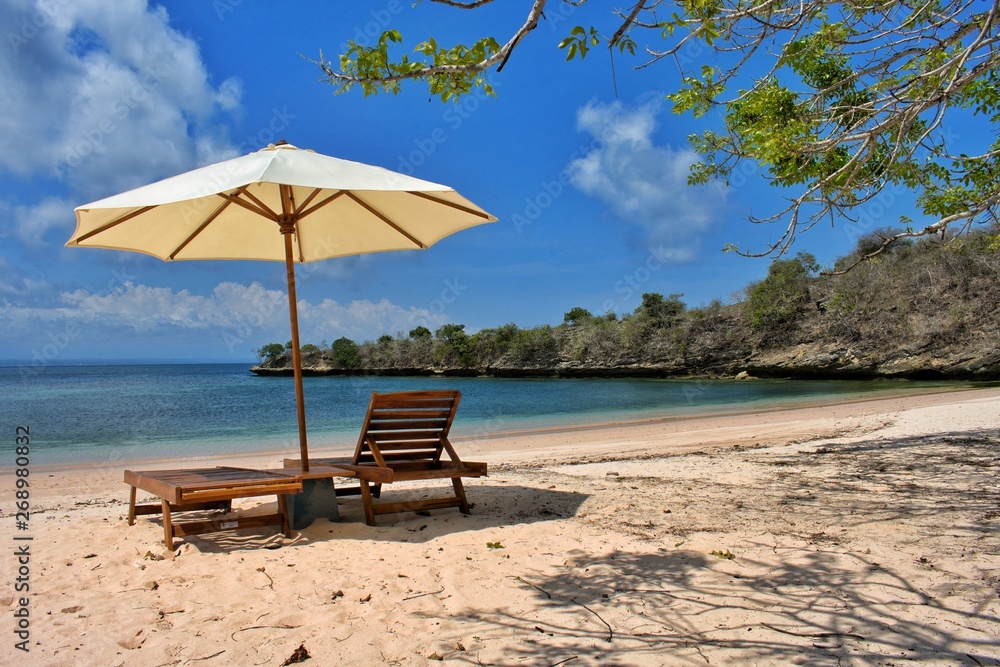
(708, 418)
(650, 372)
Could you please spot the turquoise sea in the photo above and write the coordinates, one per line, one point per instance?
(121, 414)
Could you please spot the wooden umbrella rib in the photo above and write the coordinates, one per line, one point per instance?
(386, 220)
(302, 214)
(249, 195)
(307, 201)
(113, 223)
(201, 228)
(445, 202)
(257, 207)
(297, 213)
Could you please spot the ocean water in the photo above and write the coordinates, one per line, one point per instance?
(120, 414)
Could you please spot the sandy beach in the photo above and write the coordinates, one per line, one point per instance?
(864, 533)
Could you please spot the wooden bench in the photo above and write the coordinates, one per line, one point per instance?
(210, 488)
(405, 438)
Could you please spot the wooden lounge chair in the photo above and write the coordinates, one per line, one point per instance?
(210, 488)
(405, 438)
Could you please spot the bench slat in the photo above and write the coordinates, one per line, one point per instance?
(216, 525)
(413, 505)
(410, 424)
(385, 436)
(415, 413)
(385, 401)
(396, 445)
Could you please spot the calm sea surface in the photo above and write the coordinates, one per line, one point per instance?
(119, 414)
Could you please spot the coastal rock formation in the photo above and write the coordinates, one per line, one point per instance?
(927, 311)
(817, 360)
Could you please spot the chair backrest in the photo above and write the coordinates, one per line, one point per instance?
(407, 426)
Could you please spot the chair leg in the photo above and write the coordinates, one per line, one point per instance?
(366, 500)
(460, 493)
(131, 507)
(168, 528)
(286, 526)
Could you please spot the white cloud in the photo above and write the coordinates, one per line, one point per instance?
(238, 315)
(362, 320)
(105, 96)
(34, 221)
(642, 183)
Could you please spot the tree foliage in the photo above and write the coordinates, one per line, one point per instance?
(779, 298)
(577, 315)
(457, 348)
(420, 332)
(270, 352)
(833, 101)
(344, 352)
(656, 307)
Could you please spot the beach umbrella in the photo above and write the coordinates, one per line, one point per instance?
(280, 203)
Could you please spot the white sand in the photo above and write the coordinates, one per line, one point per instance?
(864, 534)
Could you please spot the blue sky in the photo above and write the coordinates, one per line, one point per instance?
(588, 185)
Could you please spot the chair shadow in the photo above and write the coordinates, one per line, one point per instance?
(492, 505)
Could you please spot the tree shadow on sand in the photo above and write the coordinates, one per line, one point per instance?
(802, 599)
(814, 608)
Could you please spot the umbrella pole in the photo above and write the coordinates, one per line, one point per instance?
(296, 352)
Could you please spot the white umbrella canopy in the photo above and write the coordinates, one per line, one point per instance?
(280, 203)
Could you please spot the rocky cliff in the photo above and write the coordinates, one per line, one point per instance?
(928, 310)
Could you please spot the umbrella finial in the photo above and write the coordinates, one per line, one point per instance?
(281, 142)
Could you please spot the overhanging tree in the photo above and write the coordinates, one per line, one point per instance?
(834, 101)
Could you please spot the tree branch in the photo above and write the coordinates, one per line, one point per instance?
(428, 72)
(639, 6)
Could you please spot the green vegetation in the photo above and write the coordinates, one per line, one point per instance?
(577, 316)
(344, 353)
(783, 295)
(420, 333)
(270, 353)
(920, 309)
(831, 101)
